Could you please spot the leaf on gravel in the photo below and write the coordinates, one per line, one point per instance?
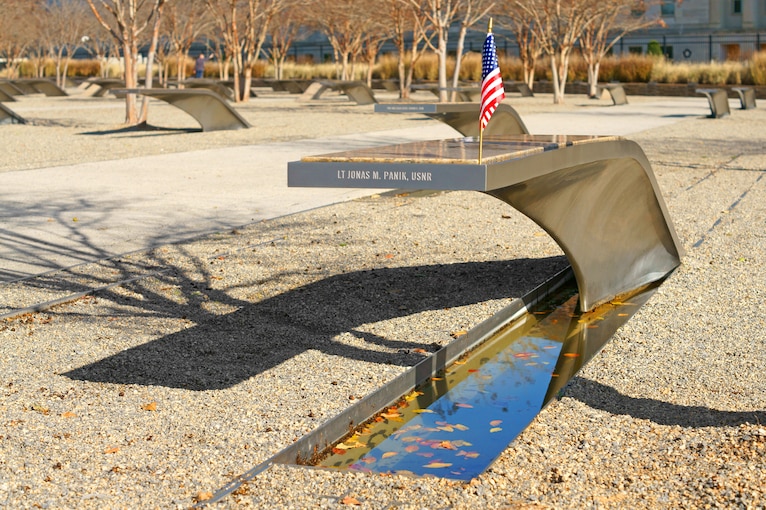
(112, 449)
(151, 406)
(40, 409)
(349, 500)
(203, 496)
(456, 334)
(68, 414)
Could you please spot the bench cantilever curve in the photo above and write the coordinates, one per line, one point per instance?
(207, 107)
(597, 197)
(463, 117)
(718, 101)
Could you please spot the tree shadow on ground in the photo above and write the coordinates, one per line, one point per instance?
(225, 350)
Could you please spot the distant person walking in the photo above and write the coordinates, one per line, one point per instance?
(199, 66)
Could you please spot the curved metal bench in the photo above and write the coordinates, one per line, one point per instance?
(39, 86)
(356, 91)
(8, 116)
(597, 197)
(616, 93)
(718, 101)
(464, 117)
(746, 97)
(207, 107)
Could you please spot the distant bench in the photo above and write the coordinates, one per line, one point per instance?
(8, 116)
(464, 94)
(207, 107)
(39, 86)
(616, 92)
(355, 90)
(746, 97)
(463, 117)
(102, 85)
(718, 101)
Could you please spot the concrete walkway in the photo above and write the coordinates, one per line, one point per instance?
(62, 216)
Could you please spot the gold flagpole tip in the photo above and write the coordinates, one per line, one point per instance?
(490, 26)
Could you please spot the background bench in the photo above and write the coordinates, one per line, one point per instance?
(8, 116)
(718, 101)
(464, 117)
(208, 108)
(616, 93)
(356, 91)
(746, 97)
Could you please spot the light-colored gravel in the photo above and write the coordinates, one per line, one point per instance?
(158, 392)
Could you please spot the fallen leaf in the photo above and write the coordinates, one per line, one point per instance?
(495, 423)
(411, 448)
(68, 414)
(349, 446)
(571, 355)
(349, 500)
(112, 449)
(465, 406)
(456, 334)
(421, 411)
(495, 429)
(369, 459)
(446, 445)
(413, 395)
(389, 454)
(151, 406)
(40, 409)
(468, 455)
(437, 465)
(460, 426)
(389, 255)
(203, 496)
(420, 351)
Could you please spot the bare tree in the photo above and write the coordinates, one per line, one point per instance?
(15, 33)
(558, 25)
(611, 21)
(284, 30)
(470, 13)
(521, 24)
(63, 25)
(243, 25)
(183, 24)
(404, 18)
(440, 15)
(126, 20)
(344, 22)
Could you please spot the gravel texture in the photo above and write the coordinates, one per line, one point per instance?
(156, 393)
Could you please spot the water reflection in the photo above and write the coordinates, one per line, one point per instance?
(458, 423)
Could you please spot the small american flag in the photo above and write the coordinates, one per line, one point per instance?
(492, 90)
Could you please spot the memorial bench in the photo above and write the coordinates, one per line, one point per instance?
(356, 91)
(464, 94)
(214, 85)
(616, 93)
(208, 108)
(746, 97)
(103, 85)
(597, 197)
(10, 89)
(718, 101)
(463, 117)
(39, 86)
(520, 87)
(8, 116)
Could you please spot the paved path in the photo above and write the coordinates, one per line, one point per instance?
(62, 216)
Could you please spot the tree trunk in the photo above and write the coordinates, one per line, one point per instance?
(458, 60)
(442, 57)
(593, 68)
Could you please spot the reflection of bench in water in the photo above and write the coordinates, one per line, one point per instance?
(356, 91)
(746, 97)
(208, 108)
(718, 101)
(616, 93)
(39, 86)
(596, 196)
(463, 117)
(8, 116)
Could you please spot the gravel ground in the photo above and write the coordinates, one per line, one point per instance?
(156, 393)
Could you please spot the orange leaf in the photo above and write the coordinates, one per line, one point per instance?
(456, 334)
(571, 355)
(389, 255)
(68, 414)
(495, 423)
(112, 449)
(420, 351)
(348, 500)
(389, 454)
(437, 465)
(151, 406)
(411, 448)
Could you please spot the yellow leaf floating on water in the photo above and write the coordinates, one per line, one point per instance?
(349, 446)
(437, 465)
(421, 411)
(495, 429)
(460, 426)
(412, 396)
(389, 454)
